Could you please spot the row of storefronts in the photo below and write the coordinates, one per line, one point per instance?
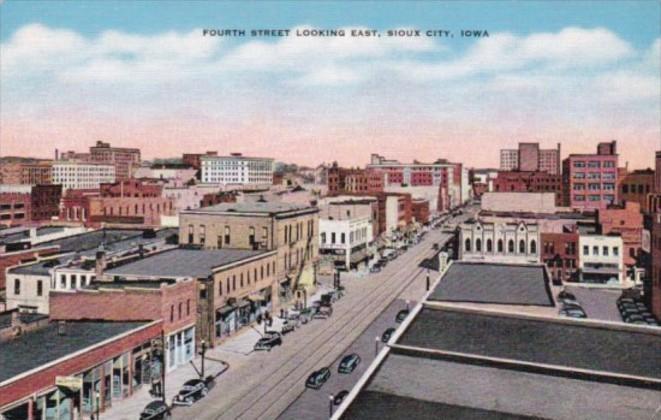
(238, 313)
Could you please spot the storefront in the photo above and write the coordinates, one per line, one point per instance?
(180, 347)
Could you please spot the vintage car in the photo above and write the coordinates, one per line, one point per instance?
(191, 391)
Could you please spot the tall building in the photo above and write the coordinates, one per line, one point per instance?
(82, 175)
(236, 169)
(125, 160)
(25, 171)
(529, 157)
(636, 186)
(657, 173)
(589, 180)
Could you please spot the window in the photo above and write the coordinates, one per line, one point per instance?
(616, 251)
(251, 235)
(478, 245)
(522, 246)
(533, 247)
(595, 250)
(227, 235)
(203, 234)
(40, 288)
(187, 306)
(489, 245)
(228, 285)
(579, 164)
(261, 273)
(586, 250)
(190, 233)
(63, 281)
(171, 313)
(500, 245)
(342, 238)
(332, 237)
(323, 237)
(180, 305)
(604, 251)
(510, 246)
(233, 282)
(241, 280)
(467, 245)
(220, 288)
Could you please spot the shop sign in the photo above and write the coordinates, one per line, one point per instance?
(72, 382)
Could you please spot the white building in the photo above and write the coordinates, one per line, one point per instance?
(601, 260)
(82, 175)
(346, 233)
(499, 242)
(236, 169)
(509, 159)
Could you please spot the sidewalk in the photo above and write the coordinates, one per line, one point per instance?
(130, 408)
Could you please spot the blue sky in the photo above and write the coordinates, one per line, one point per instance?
(140, 72)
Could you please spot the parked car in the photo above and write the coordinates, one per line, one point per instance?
(323, 313)
(401, 315)
(287, 327)
(633, 317)
(268, 341)
(375, 268)
(340, 397)
(318, 378)
(191, 391)
(573, 313)
(348, 363)
(566, 295)
(306, 315)
(385, 337)
(155, 410)
(435, 247)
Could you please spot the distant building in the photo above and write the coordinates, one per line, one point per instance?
(346, 233)
(211, 199)
(354, 180)
(45, 201)
(236, 169)
(499, 242)
(529, 181)
(193, 159)
(25, 171)
(627, 221)
(15, 205)
(420, 210)
(530, 158)
(589, 180)
(125, 160)
(636, 186)
(601, 260)
(82, 175)
(559, 251)
(532, 202)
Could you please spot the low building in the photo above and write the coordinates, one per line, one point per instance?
(345, 233)
(45, 201)
(75, 369)
(635, 186)
(354, 180)
(560, 254)
(627, 221)
(234, 287)
(236, 169)
(529, 181)
(15, 206)
(528, 202)
(601, 260)
(499, 242)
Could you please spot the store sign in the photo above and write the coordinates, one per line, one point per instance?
(72, 382)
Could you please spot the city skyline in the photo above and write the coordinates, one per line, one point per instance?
(572, 76)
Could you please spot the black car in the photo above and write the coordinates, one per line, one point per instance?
(566, 295)
(401, 315)
(270, 340)
(348, 363)
(191, 391)
(155, 410)
(340, 397)
(318, 378)
(387, 334)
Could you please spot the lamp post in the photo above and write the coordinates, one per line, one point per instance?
(330, 405)
(204, 350)
(376, 345)
(98, 404)
(428, 280)
(408, 304)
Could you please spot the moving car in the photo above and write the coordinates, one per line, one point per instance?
(348, 363)
(191, 391)
(401, 315)
(155, 410)
(318, 378)
(340, 397)
(268, 341)
(387, 334)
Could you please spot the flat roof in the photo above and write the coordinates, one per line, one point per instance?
(428, 388)
(39, 347)
(567, 343)
(479, 282)
(269, 207)
(182, 262)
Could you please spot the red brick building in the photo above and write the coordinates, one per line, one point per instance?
(9, 259)
(590, 180)
(656, 261)
(529, 181)
(211, 199)
(420, 210)
(559, 251)
(15, 208)
(45, 201)
(126, 160)
(354, 180)
(193, 159)
(636, 186)
(627, 221)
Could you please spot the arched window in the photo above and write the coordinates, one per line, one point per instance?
(522, 246)
(533, 247)
(467, 246)
(510, 246)
(489, 245)
(500, 245)
(478, 245)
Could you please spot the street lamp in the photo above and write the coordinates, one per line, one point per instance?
(331, 398)
(428, 281)
(408, 304)
(98, 404)
(204, 350)
(376, 345)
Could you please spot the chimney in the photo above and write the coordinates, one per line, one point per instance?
(61, 328)
(57, 154)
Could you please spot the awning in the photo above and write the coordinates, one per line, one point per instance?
(243, 303)
(224, 310)
(256, 298)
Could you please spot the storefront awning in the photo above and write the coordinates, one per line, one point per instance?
(256, 297)
(224, 310)
(243, 303)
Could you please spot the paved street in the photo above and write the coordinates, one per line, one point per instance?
(263, 385)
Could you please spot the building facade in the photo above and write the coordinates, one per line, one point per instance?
(15, 207)
(590, 180)
(345, 234)
(626, 221)
(601, 261)
(125, 160)
(499, 242)
(82, 175)
(529, 157)
(529, 181)
(560, 254)
(354, 180)
(236, 169)
(45, 201)
(636, 186)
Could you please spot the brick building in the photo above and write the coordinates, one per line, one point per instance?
(635, 186)
(290, 229)
(354, 180)
(529, 181)
(420, 210)
(15, 208)
(45, 201)
(12, 258)
(560, 254)
(194, 159)
(627, 221)
(25, 171)
(211, 199)
(530, 158)
(125, 160)
(590, 180)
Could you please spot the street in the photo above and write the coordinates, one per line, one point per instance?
(263, 385)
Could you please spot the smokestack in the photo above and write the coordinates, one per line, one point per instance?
(57, 155)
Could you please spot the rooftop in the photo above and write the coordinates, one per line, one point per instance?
(494, 283)
(45, 345)
(182, 262)
(269, 207)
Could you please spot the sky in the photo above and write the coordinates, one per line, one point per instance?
(143, 74)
